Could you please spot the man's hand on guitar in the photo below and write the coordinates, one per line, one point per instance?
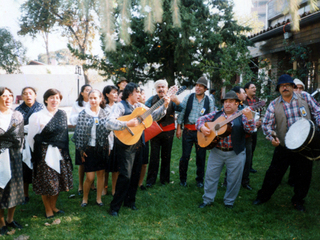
(133, 122)
(258, 123)
(206, 131)
(166, 101)
(247, 112)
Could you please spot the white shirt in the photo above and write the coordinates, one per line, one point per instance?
(76, 109)
(5, 168)
(92, 141)
(37, 122)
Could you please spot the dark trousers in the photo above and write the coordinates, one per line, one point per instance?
(248, 163)
(189, 138)
(164, 141)
(301, 169)
(254, 137)
(129, 165)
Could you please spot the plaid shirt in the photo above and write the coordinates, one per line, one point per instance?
(195, 112)
(248, 126)
(291, 111)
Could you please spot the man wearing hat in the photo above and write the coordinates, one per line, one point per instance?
(299, 85)
(229, 151)
(194, 106)
(164, 140)
(280, 115)
(122, 82)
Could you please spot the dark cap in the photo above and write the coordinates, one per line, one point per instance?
(121, 79)
(203, 81)
(285, 78)
(230, 95)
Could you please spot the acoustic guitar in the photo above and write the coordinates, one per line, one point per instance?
(221, 128)
(131, 135)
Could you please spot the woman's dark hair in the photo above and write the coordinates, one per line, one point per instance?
(103, 102)
(107, 90)
(212, 91)
(51, 92)
(236, 89)
(23, 89)
(80, 97)
(2, 89)
(130, 87)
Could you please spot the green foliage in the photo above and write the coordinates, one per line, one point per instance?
(12, 53)
(171, 211)
(208, 33)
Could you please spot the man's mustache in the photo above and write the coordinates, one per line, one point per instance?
(285, 90)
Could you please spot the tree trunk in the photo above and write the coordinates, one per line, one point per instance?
(169, 71)
(45, 36)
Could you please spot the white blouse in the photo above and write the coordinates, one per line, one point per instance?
(76, 109)
(5, 168)
(92, 141)
(37, 122)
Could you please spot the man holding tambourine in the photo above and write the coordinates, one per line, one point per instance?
(282, 113)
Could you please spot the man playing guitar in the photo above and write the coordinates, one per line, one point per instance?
(229, 151)
(129, 156)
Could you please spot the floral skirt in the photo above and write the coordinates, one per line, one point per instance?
(47, 181)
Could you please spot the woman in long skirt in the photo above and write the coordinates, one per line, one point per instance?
(49, 142)
(11, 180)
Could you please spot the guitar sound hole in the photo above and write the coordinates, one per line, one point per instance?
(217, 127)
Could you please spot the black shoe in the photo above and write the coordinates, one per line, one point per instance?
(113, 213)
(228, 206)
(80, 192)
(203, 205)
(258, 201)
(247, 186)
(183, 184)
(52, 216)
(132, 206)
(200, 185)
(84, 204)
(99, 204)
(14, 224)
(143, 188)
(26, 200)
(4, 230)
(148, 185)
(253, 170)
(299, 207)
(60, 212)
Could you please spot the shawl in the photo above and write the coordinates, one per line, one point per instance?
(27, 111)
(13, 137)
(55, 133)
(82, 133)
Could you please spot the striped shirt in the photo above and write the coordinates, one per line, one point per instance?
(291, 111)
(248, 126)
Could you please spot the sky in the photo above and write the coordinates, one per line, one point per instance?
(10, 13)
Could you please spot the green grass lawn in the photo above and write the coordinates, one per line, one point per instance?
(171, 212)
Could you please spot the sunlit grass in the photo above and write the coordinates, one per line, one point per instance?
(171, 211)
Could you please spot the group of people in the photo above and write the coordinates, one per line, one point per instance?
(34, 144)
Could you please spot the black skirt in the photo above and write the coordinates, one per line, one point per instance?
(27, 173)
(92, 162)
(112, 165)
(78, 160)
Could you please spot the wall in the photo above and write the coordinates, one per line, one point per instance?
(66, 83)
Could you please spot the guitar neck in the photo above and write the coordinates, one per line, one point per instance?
(154, 107)
(231, 118)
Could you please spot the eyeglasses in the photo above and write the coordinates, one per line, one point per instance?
(286, 85)
(7, 96)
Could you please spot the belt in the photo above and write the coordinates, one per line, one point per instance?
(225, 149)
(191, 127)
